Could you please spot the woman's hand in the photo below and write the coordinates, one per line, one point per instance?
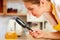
(37, 34)
(41, 34)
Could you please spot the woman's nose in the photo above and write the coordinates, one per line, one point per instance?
(29, 12)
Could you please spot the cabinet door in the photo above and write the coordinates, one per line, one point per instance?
(15, 7)
(1, 6)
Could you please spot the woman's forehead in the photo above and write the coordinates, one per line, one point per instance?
(29, 5)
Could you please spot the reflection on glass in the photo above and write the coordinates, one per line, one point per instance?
(32, 24)
(41, 25)
(29, 23)
(45, 24)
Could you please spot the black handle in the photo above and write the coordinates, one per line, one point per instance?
(24, 25)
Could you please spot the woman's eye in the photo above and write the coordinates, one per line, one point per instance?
(48, 0)
(30, 8)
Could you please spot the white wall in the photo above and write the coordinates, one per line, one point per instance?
(18, 5)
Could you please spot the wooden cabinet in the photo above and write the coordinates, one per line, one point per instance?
(1, 7)
(12, 8)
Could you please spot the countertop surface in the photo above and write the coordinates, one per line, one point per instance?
(25, 36)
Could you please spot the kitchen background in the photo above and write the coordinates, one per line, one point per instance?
(43, 23)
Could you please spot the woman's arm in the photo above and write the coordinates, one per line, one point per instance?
(53, 35)
(49, 35)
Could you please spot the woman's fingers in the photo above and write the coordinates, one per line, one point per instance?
(37, 34)
(34, 33)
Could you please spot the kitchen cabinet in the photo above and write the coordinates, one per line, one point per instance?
(1, 7)
(12, 8)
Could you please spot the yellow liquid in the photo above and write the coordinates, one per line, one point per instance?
(11, 35)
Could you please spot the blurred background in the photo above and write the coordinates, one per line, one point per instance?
(13, 8)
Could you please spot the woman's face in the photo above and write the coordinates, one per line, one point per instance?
(35, 9)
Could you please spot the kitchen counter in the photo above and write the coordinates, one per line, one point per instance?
(26, 36)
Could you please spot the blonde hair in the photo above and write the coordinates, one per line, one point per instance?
(54, 12)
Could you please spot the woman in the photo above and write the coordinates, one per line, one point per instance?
(38, 8)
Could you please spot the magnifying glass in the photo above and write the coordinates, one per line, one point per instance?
(24, 25)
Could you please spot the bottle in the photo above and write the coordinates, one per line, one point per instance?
(11, 32)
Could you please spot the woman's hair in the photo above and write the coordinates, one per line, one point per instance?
(33, 1)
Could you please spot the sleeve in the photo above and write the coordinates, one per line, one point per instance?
(57, 27)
